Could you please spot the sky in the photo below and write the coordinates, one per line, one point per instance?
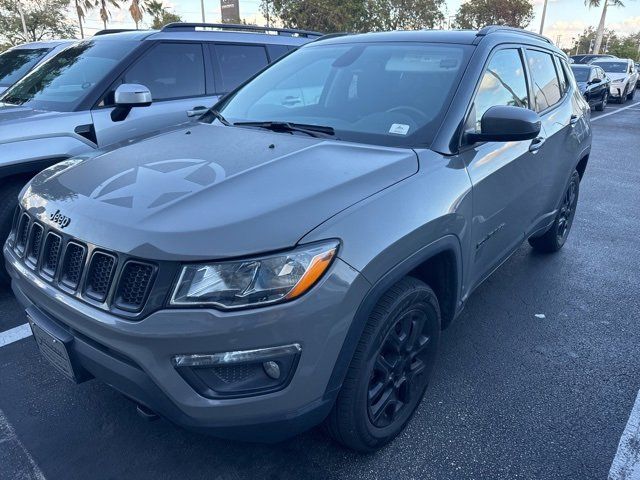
(565, 18)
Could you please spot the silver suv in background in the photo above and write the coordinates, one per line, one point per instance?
(16, 62)
(282, 263)
(624, 77)
(118, 86)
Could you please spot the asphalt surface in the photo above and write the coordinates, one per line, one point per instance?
(514, 395)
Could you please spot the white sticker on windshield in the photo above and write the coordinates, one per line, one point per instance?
(399, 129)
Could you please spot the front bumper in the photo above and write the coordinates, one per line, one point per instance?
(135, 357)
(616, 90)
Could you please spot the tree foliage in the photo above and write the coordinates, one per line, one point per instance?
(160, 15)
(45, 19)
(476, 14)
(104, 7)
(613, 44)
(354, 15)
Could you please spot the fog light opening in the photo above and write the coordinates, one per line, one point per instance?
(272, 369)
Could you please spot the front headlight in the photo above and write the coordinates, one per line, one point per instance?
(256, 281)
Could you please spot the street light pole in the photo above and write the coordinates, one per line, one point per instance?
(24, 23)
(202, 8)
(544, 14)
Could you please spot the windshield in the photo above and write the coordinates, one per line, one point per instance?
(391, 94)
(14, 64)
(64, 81)
(581, 74)
(614, 67)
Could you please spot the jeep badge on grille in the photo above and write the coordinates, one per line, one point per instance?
(60, 219)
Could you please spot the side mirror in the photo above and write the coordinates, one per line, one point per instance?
(132, 95)
(595, 80)
(128, 96)
(507, 124)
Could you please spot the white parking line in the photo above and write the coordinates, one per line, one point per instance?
(15, 334)
(615, 111)
(626, 464)
(14, 454)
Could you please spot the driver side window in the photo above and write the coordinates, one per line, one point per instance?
(503, 83)
(169, 70)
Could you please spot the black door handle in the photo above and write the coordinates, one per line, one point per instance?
(536, 144)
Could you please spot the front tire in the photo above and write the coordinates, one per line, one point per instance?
(555, 238)
(390, 369)
(603, 104)
(632, 94)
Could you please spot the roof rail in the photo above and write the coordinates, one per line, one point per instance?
(333, 35)
(114, 30)
(503, 28)
(190, 27)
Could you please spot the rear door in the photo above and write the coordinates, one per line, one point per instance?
(502, 173)
(561, 124)
(175, 73)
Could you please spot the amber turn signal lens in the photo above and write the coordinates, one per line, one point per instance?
(318, 266)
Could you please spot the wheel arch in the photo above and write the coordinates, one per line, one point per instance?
(438, 264)
(581, 166)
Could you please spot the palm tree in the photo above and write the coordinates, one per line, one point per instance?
(104, 9)
(82, 7)
(600, 31)
(136, 9)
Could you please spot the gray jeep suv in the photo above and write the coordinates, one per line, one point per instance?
(80, 100)
(293, 258)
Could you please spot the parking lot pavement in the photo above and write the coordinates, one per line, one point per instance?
(536, 379)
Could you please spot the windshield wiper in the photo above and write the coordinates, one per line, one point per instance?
(318, 131)
(212, 112)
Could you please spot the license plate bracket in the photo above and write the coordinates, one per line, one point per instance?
(53, 343)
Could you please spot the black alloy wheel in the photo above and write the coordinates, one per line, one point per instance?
(398, 368)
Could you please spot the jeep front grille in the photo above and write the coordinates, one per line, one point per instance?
(51, 255)
(101, 269)
(133, 287)
(22, 234)
(35, 243)
(108, 280)
(72, 264)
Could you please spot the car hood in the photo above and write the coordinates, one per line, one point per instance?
(616, 76)
(22, 123)
(209, 191)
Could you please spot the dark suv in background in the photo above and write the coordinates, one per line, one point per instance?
(594, 84)
(117, 86)
(293, 257)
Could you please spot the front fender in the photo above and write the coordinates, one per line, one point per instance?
(35, 154)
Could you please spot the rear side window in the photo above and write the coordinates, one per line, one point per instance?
(561, 75)
(277, 51)
(546, 86)
(170, 71)
(238, 63)
(503, 83)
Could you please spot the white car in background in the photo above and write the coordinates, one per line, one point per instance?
(624, 77)
(16, 62)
